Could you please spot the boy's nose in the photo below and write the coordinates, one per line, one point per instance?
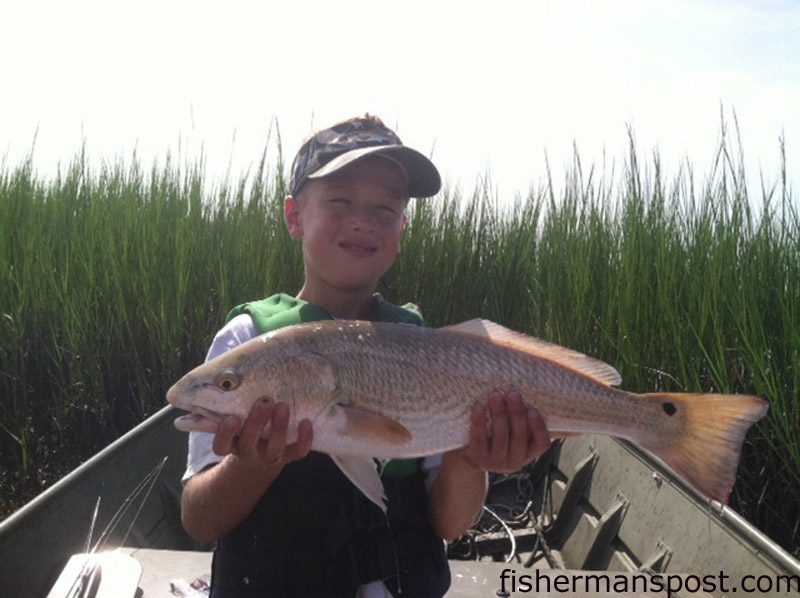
(363, 220)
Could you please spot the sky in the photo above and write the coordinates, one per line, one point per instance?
(484, 88)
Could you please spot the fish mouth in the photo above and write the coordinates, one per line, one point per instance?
(199, 419)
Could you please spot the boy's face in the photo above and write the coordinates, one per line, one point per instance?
(351, 223)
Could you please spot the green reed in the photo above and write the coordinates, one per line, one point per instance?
(113, 281)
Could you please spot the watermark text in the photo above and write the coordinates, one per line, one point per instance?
(538, 581)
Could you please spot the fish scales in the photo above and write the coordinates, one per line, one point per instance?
(452, 372)
(396, 391)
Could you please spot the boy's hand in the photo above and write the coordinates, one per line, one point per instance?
(243, 439)
(219, 498)
(517, 436)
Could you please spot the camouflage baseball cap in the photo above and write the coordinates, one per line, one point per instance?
(330, 149)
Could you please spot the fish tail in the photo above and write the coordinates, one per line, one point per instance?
(706, 446)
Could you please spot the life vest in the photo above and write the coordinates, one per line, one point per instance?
(313, 533)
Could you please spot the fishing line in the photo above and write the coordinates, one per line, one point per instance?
(154, 477)
(148, 479)
(88, 577)
(394, 552)
(381, 466)
(507, 530)
(91, 526)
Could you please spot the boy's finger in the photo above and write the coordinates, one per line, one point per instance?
(498, 451)
(519, 439)
(260, 414)
(224, 439)
(300, 448)
(540, 441)
(277, 438)
(478, 447)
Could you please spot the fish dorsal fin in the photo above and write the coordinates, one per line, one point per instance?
(589, 366)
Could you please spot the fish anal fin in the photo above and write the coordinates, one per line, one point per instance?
(362, 472)
(595, 369)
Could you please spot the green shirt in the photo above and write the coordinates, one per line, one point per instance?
(282, 310)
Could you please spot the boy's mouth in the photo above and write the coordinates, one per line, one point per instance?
(357, 249)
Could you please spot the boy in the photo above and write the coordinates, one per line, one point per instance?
(286, 521)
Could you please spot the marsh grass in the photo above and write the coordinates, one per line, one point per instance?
(113, 281)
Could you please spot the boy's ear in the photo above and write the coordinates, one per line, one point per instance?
(291, 215)
(402, 233)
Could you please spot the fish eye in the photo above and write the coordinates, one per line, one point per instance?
(228, 380)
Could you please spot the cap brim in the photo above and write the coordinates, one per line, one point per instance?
(423, 177)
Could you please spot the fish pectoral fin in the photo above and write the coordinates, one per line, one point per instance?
(500, 335)
(369, 426)
(362, 472)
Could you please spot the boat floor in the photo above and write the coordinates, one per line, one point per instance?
(165, 572)
(593, 508)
